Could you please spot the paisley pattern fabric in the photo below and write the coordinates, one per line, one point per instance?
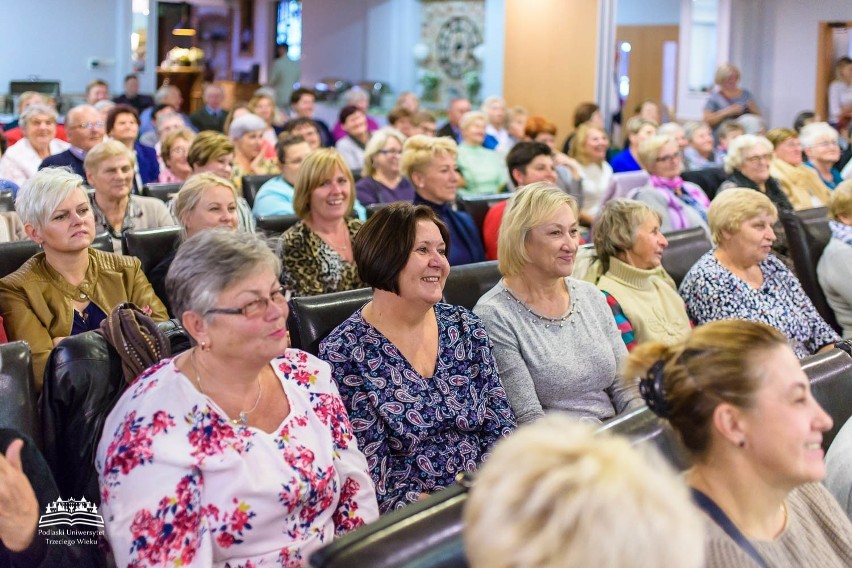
(417, 432)
(310, 267)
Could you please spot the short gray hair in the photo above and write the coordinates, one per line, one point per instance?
(616, 228)
(377, 142)
(163, 93)
(212, 261)
(71, 115)
(40, 195)
(245, 124)
(472, 116)
(812, 133)
(355, 94)
(162, 117)
(734, 159)
(692, 127)
(35, 110)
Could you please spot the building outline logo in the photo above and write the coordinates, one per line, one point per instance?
(71, 512)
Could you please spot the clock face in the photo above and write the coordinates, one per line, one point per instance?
(455, 42)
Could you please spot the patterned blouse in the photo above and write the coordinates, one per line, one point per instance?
(418, 432)
(712, 292)
(180, 485)
(311, 267)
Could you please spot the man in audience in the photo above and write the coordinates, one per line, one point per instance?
(85, 131)
(459, 107)
(97, 90)
(423, 122)
(302, 104)
(131, 95)
(13, 132)
(165, 95)
(276, 196)
(151, 138)
(212, 116)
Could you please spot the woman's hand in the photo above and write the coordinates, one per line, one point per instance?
(18, 504)
(255, 164)
(564, 160)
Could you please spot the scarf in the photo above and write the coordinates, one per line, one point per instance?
(841, 231)
(676, 193)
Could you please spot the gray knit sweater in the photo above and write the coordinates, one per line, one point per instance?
(546, 367)
(818, 535)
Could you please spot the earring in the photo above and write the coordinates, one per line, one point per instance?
(204, 346)
(742, 444)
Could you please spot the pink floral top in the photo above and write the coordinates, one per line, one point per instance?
(181, 486)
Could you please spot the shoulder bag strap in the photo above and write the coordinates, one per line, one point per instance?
(718, 515)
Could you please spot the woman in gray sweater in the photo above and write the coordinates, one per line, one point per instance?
(555, 340)
(835, 265)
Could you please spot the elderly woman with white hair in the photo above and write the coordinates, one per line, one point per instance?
(483, 170)
(700, 153)
(494, 108)
(555, 340)
(819, 142)
(69, 287)
(246, 132)
(747, 165)
(740, 278)
(21, 160)
(834, 268)
(381, 178)
(547, 490)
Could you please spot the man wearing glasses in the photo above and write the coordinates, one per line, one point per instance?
(85, 130)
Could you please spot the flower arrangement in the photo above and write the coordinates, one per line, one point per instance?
(430, 81)
(183, 57)
(473, 83)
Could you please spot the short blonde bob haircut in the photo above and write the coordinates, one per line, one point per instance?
(547, 490)
(734, 160)
(42, 194)
(841, 201)
(208, 146)
(733, 207)
(616, 228)
(530, 206)
(724, 71)
(419, 151)
(104, 151)
(376, 144)
(649, 150)
(578, 145)
(470, 117)
(318, 167)
(190, 193)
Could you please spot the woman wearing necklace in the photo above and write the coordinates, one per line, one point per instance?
(417, 375)
(381, 179)
(239, 451)
(317, 251)
(555, 340)
(735, 393)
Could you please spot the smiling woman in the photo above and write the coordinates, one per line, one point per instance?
(22, 159)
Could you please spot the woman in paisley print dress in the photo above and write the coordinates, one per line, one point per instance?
(317, 251)
(416, 375)
(239, 451)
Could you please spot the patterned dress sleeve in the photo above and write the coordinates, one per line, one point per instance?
(621, 321)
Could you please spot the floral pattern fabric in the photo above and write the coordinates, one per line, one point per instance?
(712, 292)
(418, 432)
(182, 486)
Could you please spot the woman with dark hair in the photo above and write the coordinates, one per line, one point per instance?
(122, 124)
(738, 398)
(417, 375)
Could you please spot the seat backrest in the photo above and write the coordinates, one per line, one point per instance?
(373, 207)
(644, 427)
(18, 397)
(623, 183)
(312, 318)
(467, 283)
(830, 375)
(477, 206)
(14, 254)
(162, 191)
(274, 225)
(806, 240)
(708, 179)
(252, 184)
(7, 200)
(150, 246)
(684, 250)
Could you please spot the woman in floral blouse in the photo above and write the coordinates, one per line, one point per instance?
(239, 451)
(417, 376)
(740, 279)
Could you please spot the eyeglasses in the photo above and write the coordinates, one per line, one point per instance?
(671, 158)
(256, 308)
(389, 152)
(758, 158)
(90, 125)
(825, 144)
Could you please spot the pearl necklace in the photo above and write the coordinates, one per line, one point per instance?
(548, 321)
(243, 419)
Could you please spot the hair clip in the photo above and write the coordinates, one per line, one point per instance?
(653, 391)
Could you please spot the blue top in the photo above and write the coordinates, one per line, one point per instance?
(417, 432)
(835, 180)
(275, 197)
(88, 320)
(465, 241)
(624, 162)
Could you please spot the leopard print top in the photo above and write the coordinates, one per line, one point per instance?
(311, 267)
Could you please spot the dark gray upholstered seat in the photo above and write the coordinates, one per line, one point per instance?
(252, 184)
(685, 248)
(708, 179)
(150, 246)
(830, 375)
(468, 282)
(16, 253)
(162, 191)
(274, 225)
(18, 397)
(478, 206)
(312, 318)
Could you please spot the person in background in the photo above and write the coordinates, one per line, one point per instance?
(834, 268)
(423, 122)
(104, 106)
(131, 95)
(174, 150)
(263, 105)
(352, 145)
(408, 100)
(742, 406)
(284, 75)
(302, 103)
(85, 131)
(275, 197)
(495, 113)
(249, 160)
(747, 165)
(583, 113)
(358, 98)
(21, 161)
(400, 118)
(838, 479)
(381, 178)
(700, 154)
(11, 229)
(516, 122)
(212, 116)
(568, 176)
(122, 125)
(820, 143)
(555, 341)
(12, 131)
(457, 108)
(430, 164)
(840, 94)
(728, 100)
(589, 149)
(638, 130)
(752, 124)
(804, 118)
(676, 131)
(169, 122)
(546, 490)
(726, 133)
(800, 184)
(97, 90)
(406, 345)
(166, 95)
(650, 111)
(306, 128)
(483, 171)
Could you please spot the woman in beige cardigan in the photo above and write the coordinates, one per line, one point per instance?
(801, 183)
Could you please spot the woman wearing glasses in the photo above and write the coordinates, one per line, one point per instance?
(681, 205)
(238, 451)
(819, 141)
(747, 165)
(382, 180)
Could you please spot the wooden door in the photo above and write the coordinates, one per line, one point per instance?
(645, 67)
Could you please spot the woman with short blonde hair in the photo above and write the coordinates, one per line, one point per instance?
(483, 169)
(589, 147)
(637, 130)
(728, 100)
(834, 268)
(381, 178)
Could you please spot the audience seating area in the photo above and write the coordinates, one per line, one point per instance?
(252, 184)
(16, 253)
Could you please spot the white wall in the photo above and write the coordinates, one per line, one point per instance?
(334, 39)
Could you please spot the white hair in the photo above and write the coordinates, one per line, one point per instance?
(40, 195)
(815, 132)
